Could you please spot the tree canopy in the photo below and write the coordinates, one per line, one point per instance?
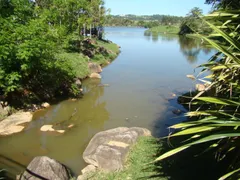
(32, 34)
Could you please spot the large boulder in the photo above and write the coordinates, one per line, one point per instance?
(43, 167)
(94, 68)
(14, 123)
(108, 149)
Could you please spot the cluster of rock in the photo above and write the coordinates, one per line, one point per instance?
(16, 122)
(106, 151)
(13, 124)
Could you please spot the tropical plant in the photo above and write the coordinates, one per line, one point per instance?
(217, 108)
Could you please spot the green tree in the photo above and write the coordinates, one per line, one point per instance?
(193, 24)
(224, 4)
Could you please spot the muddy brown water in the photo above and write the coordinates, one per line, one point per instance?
(137, 89)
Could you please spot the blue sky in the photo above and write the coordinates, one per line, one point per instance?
(149, 7)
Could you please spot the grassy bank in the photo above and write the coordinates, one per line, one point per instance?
(164, 29)
(103, 52)
(143, 152)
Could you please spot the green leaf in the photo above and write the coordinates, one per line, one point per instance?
(194, 130)
(232, 41)
(220, 48)
(219, 101)
(229, 174)
(171, 153)
(200, 141)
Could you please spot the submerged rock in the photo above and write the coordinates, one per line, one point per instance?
(50, 128)
(177, 112)
(14, 123)
(192, 77)
(43, 167)
(108, 149)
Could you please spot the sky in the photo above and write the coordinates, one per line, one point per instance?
(149, 7)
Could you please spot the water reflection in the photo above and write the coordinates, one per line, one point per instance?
(189, 47)
(87, 115)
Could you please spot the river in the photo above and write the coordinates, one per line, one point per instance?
(137, 89)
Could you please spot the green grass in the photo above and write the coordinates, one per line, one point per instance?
(164, 29)
(78, 63)
(143, 152)
(110, 46)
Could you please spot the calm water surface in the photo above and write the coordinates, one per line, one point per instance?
(140, 85)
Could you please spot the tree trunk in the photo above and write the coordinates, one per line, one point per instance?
(90, 31)
(84, 30)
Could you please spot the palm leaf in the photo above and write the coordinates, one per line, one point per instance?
(219, 101)
(194, 130)
(220, 48)
(229, 174)
(200, 141)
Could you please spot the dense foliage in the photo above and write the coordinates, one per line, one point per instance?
(193, 24)
(32, 35)
(147, 21)
(216, 109)
(224, 4)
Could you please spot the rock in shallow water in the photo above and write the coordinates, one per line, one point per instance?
(13, 124)
(46, 128)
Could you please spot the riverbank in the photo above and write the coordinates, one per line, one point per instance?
(164, 29)
(101, 52)
(96, 54)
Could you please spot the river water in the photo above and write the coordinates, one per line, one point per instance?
(137, 89)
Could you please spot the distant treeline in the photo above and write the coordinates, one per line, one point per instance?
(146, 21)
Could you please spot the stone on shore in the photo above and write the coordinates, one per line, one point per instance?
(94, 68)
(45, 105)
(43, 167)
(14, 123)
(86, 172)
(3, 111)
(200, 87)
(108, 149)
(78, 83)
(95, 75)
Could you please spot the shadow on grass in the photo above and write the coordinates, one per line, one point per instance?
(190, 164)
